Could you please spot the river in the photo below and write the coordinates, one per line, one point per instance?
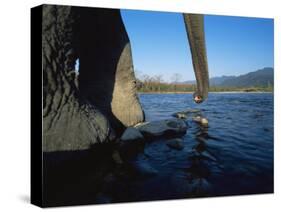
(232, 156)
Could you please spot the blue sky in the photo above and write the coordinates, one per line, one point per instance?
(235, 45)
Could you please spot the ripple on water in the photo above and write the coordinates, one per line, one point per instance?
(234, 155)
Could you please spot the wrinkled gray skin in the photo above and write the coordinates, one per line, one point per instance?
(92, 108)
(195, 31)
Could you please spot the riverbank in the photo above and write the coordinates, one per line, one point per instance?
(191, 92)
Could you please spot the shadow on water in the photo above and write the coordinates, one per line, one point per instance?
(232, 156)
(199, 172)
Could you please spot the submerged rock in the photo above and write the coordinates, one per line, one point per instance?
(184, 114)
(201, 120)
(176, 143)
(131, 143)
(180, 115)
(170, 127)
(131, 134)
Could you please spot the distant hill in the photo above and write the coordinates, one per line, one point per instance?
(260, 78)
(213, 81)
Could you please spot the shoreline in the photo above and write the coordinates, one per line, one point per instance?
(189, 92)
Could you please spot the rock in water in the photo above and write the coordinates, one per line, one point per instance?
(204, 121)
(196, 119)
(180, 115)
(201, 120)
(132, 143)
(183, 114)
(176, 143)
(170, 127)
(131, 134)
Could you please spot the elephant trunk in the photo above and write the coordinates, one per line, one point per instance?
(195, 30)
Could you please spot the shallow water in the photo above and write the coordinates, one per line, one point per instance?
(232, 156)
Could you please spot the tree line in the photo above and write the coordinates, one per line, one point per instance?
(156, 84)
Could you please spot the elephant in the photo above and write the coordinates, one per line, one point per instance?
(96, 105)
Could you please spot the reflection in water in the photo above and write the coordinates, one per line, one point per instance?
(199, 171)
(233, 156)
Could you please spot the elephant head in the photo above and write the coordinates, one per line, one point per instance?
(195, 30)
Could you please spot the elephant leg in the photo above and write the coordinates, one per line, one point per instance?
(106, 74)
(69, 122)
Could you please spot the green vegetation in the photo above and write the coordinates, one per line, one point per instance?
(261, 80)
(157, 85)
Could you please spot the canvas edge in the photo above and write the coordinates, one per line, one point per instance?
(36, 183)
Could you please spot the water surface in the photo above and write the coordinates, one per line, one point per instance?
(233, 156)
